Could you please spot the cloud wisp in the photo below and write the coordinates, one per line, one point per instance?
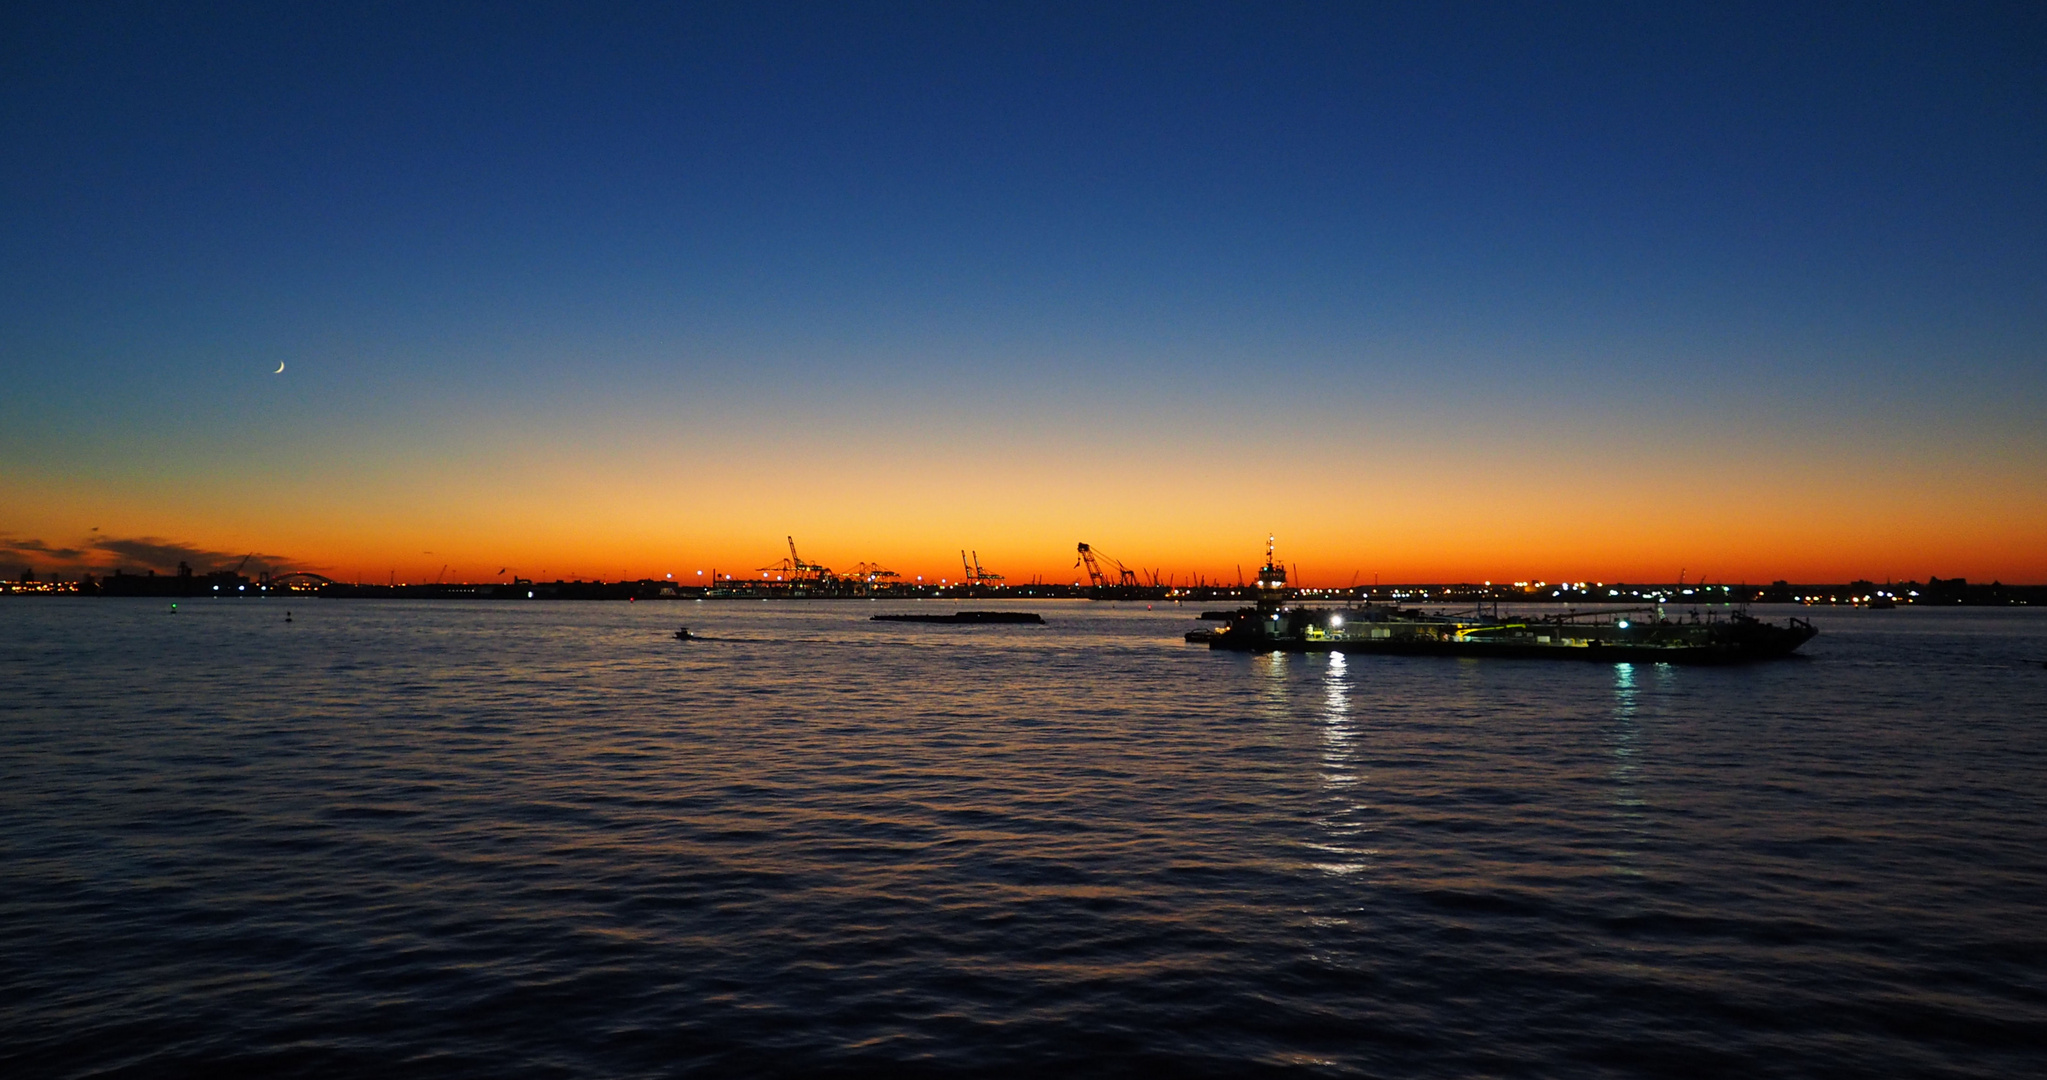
(104, 554)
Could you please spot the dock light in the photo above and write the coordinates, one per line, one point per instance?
(1335, 621)
(1623, 624)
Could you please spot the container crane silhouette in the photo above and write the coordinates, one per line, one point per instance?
(975, 575)
(798, 571)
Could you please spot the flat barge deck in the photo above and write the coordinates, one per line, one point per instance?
(967, 617)
(1637, 635)
(1736, 638)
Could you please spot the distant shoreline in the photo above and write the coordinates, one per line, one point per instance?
(1936, 592)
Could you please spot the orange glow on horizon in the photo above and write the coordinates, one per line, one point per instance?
(1024, 525)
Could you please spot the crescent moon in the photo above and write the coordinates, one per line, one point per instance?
(280, 368)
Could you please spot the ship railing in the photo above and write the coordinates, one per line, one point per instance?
(1463, 632)
(1569, 616)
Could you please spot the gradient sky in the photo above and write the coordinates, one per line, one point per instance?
(1484, 292)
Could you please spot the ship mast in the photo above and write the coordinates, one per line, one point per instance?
(1271, 578)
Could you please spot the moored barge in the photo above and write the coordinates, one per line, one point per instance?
(1634, 635)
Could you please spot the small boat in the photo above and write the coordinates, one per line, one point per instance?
(683, 634)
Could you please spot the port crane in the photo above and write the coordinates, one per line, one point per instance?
(975, 575)
(866, 577)
(1096, 577)
(798, 571)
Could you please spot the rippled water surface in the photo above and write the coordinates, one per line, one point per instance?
(545, 839)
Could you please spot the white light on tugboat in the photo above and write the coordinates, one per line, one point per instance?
(1335, 620)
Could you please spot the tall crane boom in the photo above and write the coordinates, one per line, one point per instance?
(1094, 569)
(1095, 575)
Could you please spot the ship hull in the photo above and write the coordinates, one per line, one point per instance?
(1595, 652)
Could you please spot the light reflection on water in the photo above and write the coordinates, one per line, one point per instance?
(510, 840)
(1627, 802)
(1343, 822)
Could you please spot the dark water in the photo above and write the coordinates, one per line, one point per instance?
(544, 839)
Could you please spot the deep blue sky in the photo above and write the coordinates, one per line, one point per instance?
(1820, 229)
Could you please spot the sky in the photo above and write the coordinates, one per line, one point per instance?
(1429, 292)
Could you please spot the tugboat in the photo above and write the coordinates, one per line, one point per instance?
(1608, 636)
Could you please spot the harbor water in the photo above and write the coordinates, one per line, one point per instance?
(547, 839)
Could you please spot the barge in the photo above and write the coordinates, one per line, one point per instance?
(968, 617)
(1634, 635)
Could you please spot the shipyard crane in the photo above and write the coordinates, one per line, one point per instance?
(1096, 577)
(1094, 570)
